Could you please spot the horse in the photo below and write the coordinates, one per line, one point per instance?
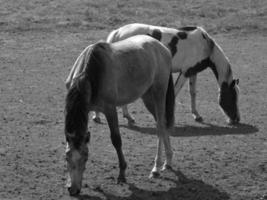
(193, 50)
(106, 75)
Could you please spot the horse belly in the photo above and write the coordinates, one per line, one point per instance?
(136, 80)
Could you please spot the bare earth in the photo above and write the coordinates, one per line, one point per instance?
(39, 42)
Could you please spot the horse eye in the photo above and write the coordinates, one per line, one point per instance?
(87, 139)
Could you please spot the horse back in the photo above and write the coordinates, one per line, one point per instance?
(127, 31)
(143, 52)
(188, 45)
(133, 66)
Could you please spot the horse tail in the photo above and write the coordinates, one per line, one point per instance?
(170, 103)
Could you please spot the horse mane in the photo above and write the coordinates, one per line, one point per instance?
(76, 110)
(95, 67)
(219, 63)
(82, 93)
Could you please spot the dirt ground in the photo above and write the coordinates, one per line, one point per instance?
(39, 42)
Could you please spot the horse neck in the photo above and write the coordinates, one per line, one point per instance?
(220, 65)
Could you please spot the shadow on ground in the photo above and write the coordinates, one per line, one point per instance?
(207, 129)
(184, 189)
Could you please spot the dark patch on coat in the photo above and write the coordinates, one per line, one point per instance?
(156, 34)
(188, 28)
(182, 35)
(173, 45)
(228, 99)
(200, 66)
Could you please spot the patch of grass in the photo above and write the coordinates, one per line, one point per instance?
(216, 16)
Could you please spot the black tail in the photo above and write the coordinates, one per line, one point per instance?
(170, 104)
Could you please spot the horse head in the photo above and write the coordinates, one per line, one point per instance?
(76, 156)
(228, 100)
(76, 133)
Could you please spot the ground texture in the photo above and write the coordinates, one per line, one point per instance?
(39, 42)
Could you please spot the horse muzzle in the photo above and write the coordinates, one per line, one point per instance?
(74, 191)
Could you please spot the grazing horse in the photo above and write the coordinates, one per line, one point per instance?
(193, 50)
(107, 75)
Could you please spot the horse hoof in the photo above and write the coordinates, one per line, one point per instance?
(97, 120)
(199, 119)
(154, 175)
(73, 192)
(233, 123)
(131, 121)
(166, 167)
(121, 180)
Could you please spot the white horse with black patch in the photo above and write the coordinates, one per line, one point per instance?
(193, 50)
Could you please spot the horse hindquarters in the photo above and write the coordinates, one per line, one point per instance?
(169, 120)
(151, 102)
(160, 103)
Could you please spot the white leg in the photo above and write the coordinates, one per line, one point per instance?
(96, 117)
(192, 89)
(168, 151)
(158, 160)
(127, 115)
(179, 83)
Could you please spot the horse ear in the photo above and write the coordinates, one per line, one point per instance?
(88, 137)
(234, 82)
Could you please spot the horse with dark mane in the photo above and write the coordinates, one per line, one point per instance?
(193, 50)
(107, 75)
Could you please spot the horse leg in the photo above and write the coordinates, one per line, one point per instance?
(127, 115)
(163, 134)
(112, 119)
(158, 160)
(156, 105)
(179, 83)
(149, 103)
(168, 151)
(192, 89)
(96, 117)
